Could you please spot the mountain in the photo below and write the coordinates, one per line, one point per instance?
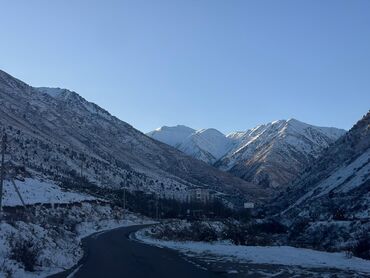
(271, 155)
(172, 136)
(329, 203)
(208, 145)
(58, 134)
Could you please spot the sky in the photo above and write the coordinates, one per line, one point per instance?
(224, 64)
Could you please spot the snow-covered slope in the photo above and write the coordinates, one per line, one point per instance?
(330, 201)
(49, 240)
(341, 171)
(36, 191)
(58, 134)
(275, 153)
(208, 145)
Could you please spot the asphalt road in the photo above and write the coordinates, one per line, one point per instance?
(112, 254)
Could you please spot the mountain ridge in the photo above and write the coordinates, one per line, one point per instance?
(58, 133)
(255, 154)
(327, 206)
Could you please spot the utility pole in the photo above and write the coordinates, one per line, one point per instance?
(18, 193)
(156, 208)
(2, 172)
(124, 198)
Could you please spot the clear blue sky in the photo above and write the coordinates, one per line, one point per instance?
(225, 64)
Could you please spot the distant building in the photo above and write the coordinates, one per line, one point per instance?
(200, 195)
(248, 205)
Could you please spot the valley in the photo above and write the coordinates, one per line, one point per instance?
(71, 170)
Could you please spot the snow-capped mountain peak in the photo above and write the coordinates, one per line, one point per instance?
(208, 144)
(271, 154)
(172, 136)
(275, 153)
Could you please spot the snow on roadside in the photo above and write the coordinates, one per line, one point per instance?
(88, 228)
(40, 191)
(277, 255)
(59, 241)
(57, 252)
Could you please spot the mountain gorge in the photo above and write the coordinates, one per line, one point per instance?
(271, 155)
(58, 134)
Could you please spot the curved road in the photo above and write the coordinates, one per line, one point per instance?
(112, 254)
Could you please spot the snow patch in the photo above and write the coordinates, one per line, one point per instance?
(35, 191)
(278, 255)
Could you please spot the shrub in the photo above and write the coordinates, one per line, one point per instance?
(298, 228)
(339, 215)
(362, 249)
(202, 232)
(236, 234)
(6, 270)
(172, 232)
(196, 231)
(270, 227)
(25, 252)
